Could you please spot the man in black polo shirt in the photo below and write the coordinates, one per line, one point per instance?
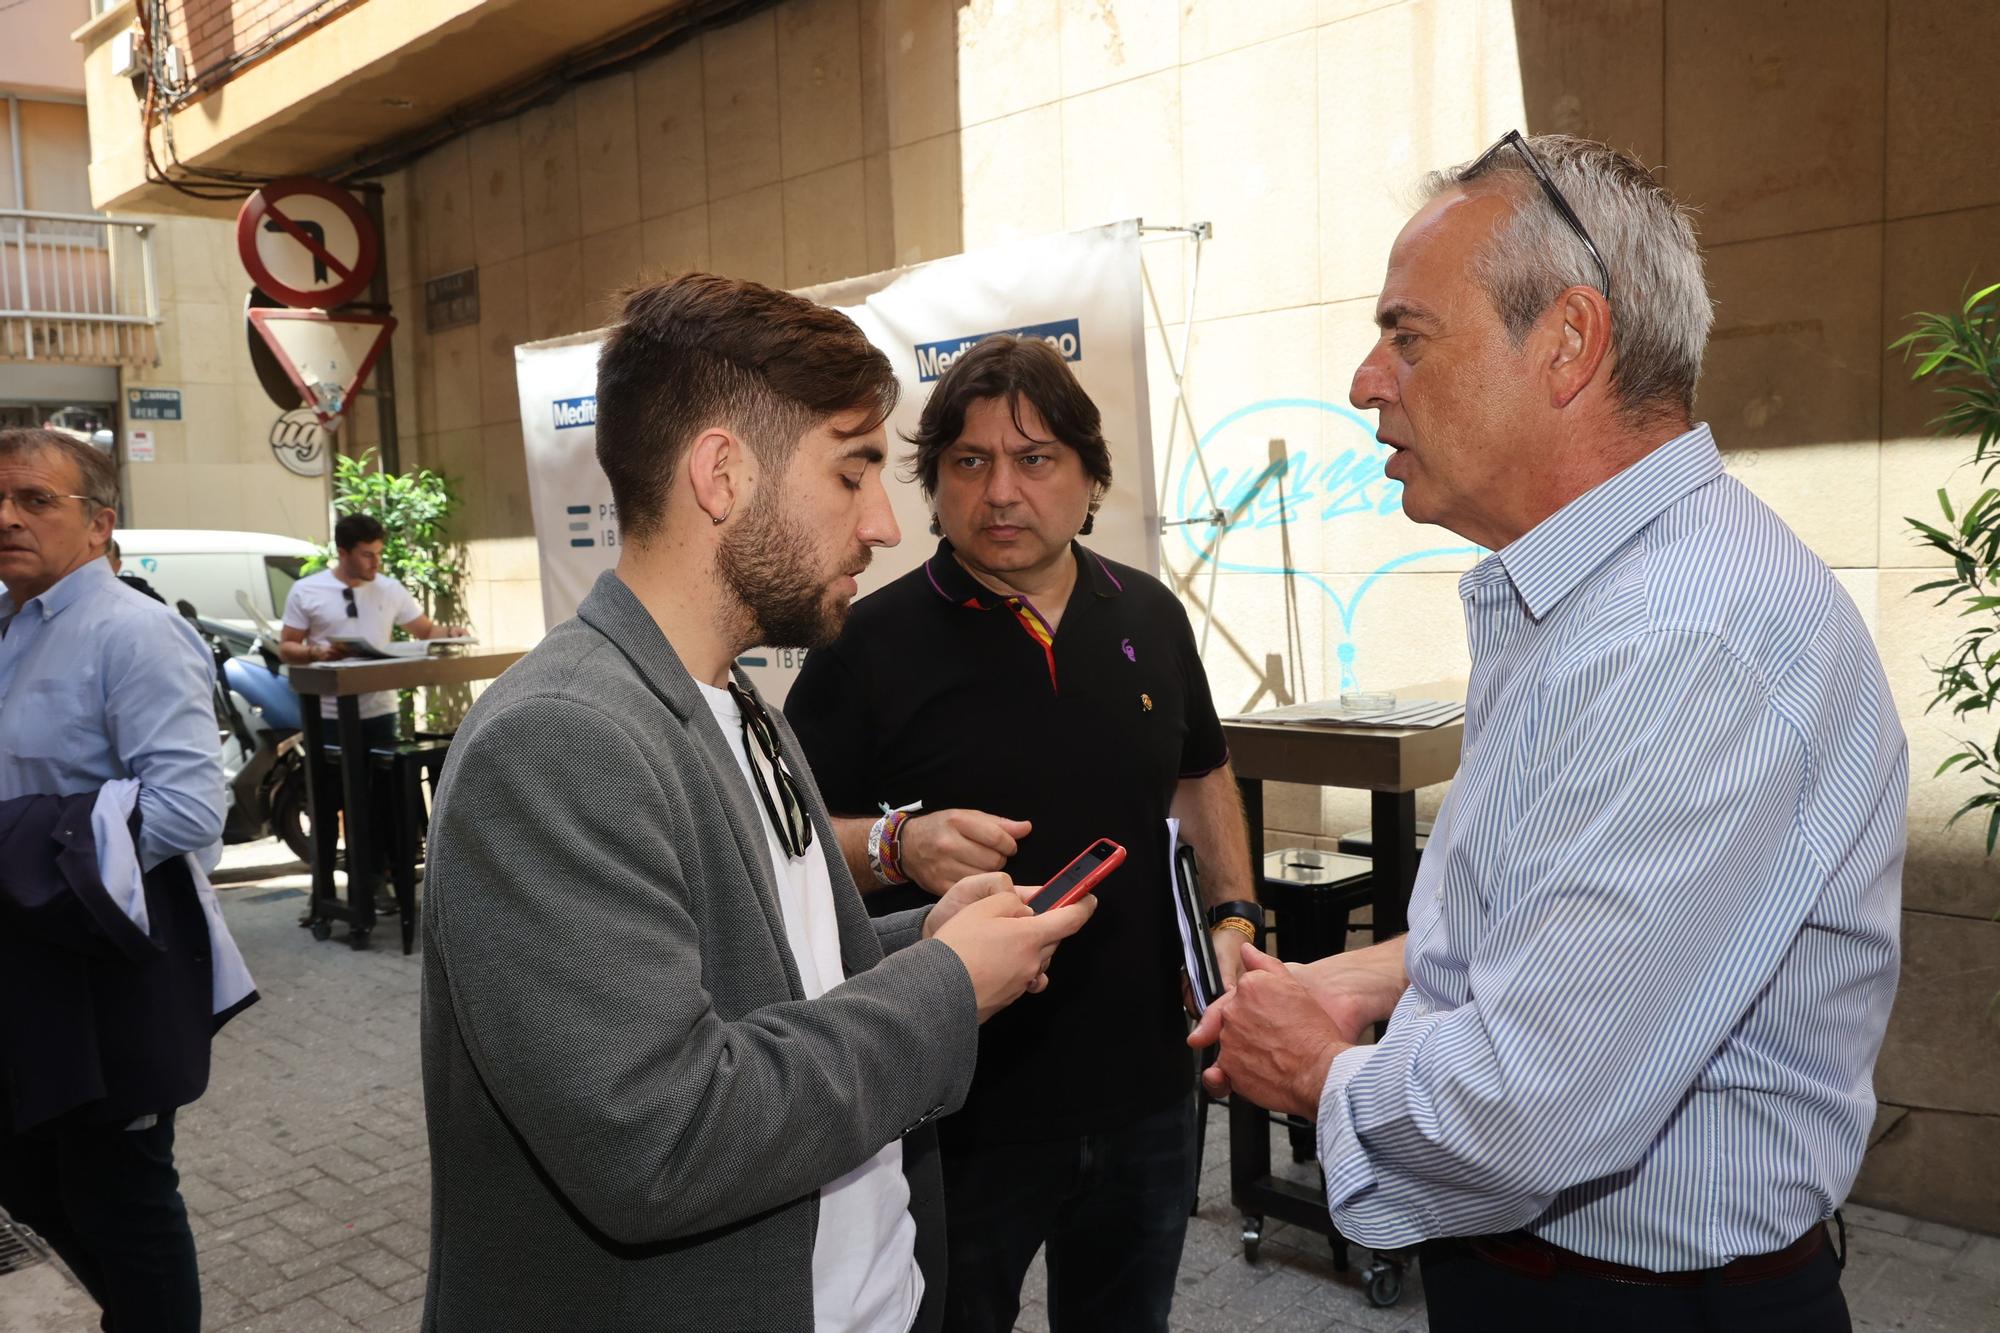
(1035, 697)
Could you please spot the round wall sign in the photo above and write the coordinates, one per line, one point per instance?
(308, 243)
(299, 442)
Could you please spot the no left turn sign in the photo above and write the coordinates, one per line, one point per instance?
(307, 243)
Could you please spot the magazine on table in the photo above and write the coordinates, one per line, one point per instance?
(353, 648)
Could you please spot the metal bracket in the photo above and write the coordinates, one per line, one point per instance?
(1197, 231)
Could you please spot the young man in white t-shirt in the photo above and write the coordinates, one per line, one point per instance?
(354, 599)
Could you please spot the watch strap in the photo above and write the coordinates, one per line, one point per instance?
(1239, 908)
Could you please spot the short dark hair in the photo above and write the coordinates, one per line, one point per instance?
(95, 470)
(354, 529)
(700, 350)
(1013, 368)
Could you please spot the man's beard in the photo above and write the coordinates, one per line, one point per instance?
(768, 563)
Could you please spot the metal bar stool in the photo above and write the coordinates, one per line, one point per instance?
(1361, 841)
(1311, 897)
(407, 767)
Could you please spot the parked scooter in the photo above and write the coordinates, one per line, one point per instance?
(262, 762)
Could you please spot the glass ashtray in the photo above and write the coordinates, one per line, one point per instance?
(1367, 701)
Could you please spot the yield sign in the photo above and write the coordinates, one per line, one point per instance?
(327, 356)
(306, 242)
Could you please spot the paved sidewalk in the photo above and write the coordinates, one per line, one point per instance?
(307, 1174)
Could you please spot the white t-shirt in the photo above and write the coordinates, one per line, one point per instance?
(317, 604)
(865, 1274)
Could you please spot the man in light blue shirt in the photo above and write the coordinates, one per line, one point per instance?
(1653, 943)
(97, 686)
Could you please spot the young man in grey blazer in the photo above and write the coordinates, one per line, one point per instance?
(674, 1075)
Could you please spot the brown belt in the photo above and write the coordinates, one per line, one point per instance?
(1525, 1253)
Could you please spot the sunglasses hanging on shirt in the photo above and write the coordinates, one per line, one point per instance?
(788, 812)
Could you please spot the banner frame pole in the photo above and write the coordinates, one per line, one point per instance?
(1197, 233)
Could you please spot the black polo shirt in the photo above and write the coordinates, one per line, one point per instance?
(943, 691)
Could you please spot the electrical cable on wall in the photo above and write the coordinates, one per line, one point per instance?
(153, 31)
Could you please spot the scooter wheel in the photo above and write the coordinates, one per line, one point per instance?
(288, 815)
(322, 929)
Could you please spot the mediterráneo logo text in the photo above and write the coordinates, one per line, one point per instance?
(575, 411)
(934, 359)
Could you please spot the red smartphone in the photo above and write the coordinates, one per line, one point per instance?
(1079, 876)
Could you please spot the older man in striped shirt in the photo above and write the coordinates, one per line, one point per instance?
(1652, 950)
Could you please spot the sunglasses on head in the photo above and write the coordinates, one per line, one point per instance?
(1512, 139)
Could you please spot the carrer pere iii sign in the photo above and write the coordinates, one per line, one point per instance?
(152, 404)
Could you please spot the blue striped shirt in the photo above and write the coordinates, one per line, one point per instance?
(1653, 944)
(98, 683)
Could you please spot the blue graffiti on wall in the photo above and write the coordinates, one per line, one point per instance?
(1343, 483)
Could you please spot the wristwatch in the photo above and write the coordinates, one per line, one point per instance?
(1251, 914)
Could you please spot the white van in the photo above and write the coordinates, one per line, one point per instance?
(210, 567)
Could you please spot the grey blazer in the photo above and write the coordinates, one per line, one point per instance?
(631, 1105)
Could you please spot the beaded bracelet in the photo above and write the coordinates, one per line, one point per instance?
(884, 851)
(888, 864)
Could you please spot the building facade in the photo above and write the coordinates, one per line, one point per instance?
(128, 321)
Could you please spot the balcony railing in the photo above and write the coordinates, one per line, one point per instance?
(77, 288)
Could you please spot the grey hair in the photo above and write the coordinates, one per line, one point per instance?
(1662, 314)
(94, 468)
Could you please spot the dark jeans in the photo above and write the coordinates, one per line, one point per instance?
(108, 1200)
(1112, 1209)
(1466, 1293)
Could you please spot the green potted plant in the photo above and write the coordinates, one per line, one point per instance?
(1960, 351)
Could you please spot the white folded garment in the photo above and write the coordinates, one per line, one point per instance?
(118, 864)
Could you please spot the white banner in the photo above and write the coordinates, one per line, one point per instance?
(1082, 292)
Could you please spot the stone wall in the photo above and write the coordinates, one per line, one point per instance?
(214, 467)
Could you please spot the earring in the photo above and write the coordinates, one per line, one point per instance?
(717, 521)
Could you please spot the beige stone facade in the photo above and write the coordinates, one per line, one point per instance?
(1842, 154)
(214, 467)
